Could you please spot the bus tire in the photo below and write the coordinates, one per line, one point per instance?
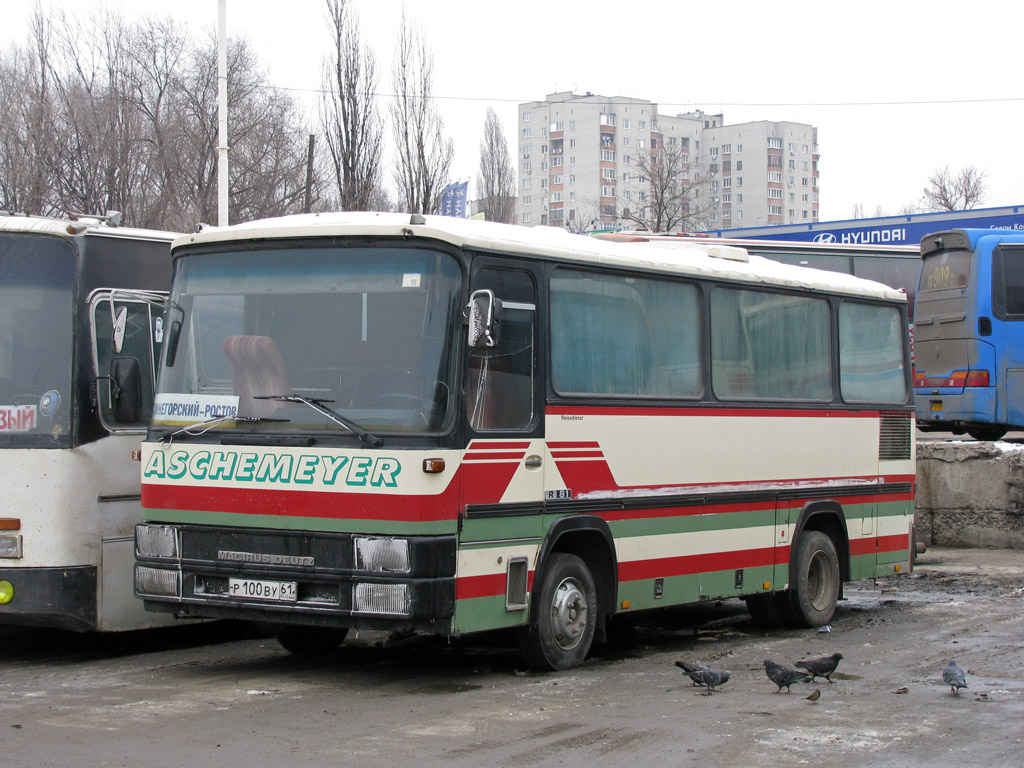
(309, 641)
(563, 622)
(986, 434)
(764, 609)
(813, 594)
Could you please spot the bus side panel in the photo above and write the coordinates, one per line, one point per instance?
(68, 502)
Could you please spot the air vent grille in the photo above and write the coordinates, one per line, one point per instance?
(894, 438)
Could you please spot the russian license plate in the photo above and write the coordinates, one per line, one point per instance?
(254, 589)
(936, 406)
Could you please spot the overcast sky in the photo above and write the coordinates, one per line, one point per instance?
(895, 89)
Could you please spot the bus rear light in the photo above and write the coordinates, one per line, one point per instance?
(156, 541)
(388, 599)
(9, 524)
(157, 582)
(962, 379)
(957, 379)
(10, 546)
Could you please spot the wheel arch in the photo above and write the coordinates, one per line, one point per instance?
(826, 516)
(590, 539)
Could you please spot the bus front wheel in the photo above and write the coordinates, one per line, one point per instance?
(562, 628)
(813, 596)
(309, 641)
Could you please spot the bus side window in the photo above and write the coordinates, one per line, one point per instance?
(501, 380)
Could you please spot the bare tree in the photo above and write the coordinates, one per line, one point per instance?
(961, 191)
(496, 183)
(25, 110)
(424, 154)
(97, 114)
(664, 191)
(349, 118)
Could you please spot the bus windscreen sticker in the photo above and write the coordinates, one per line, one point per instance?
(17, 418)
(174, 408)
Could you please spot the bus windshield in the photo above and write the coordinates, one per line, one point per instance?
(312, 338)
(36, 287)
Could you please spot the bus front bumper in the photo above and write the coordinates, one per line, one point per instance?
(61, 598)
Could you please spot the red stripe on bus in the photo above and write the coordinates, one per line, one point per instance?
(295, 503)
(873, 544)
(494, 456)
(478, 445)
(577, 454)
(488, 585)
(706, 562)
(559, 446)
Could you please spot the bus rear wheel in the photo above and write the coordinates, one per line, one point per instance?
(562, 628)
(986, 433)
(813, 595)
(309, 641)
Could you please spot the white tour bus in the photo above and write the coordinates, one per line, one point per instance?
(80, 327)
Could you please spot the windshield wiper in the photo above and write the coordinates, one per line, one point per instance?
(208, 424)
(318, 405)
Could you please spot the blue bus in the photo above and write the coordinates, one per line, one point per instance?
(969, 333)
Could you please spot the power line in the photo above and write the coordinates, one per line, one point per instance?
(684, 105)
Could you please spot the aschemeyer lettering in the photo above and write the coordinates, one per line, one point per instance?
(274, 468)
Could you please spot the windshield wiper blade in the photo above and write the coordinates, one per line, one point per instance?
(318, 405)
(208, 424)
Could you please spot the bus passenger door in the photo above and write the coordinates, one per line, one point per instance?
(504, 461)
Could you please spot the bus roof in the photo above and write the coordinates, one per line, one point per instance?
(83, 226)
(933, 242)
(684, 257)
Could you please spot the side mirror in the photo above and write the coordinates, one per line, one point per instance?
(484, 316)
(126, 390)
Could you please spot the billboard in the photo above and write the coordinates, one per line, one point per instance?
(453, 199)
(888, 230)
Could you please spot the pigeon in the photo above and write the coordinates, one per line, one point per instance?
(815, 695)
(953, 675)
(711, 677)
(823, 667)
(783, 676)
(691, 670)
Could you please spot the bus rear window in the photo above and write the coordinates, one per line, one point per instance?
(944, 270)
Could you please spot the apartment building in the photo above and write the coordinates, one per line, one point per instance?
(590, 162)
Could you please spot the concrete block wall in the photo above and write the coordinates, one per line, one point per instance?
(970, 494)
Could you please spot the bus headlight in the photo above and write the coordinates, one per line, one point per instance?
(156, 541)
(390, 599)
(10, 545)
(382, 555)
(157, 582)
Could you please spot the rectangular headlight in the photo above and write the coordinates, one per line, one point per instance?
(156, 541)
(157, 582)
(382, 555)
(389, 599)
(10, 545)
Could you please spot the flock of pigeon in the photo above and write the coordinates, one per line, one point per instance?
(812, 669)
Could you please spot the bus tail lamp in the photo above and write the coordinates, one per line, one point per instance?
(157, 582)
(386, 599)
(957, 379)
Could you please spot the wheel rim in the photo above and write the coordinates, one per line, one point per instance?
(819, 581)
(569, 614)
